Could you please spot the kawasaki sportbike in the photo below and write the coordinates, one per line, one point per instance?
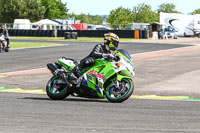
(105, 79)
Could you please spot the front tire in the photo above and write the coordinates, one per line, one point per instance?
(6, 47)
(56, 91)
(118, 95)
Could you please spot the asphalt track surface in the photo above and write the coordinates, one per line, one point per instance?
(31, 113)
(22, 113)
(25, 59)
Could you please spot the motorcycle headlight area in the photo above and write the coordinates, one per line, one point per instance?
(130, 68)
(128, 64)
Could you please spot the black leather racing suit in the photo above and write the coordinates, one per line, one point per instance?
(96, 53)
(99, 51)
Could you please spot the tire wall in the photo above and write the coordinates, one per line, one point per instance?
(80, 33)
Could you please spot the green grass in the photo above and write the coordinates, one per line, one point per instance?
(43, 44)
(30, 44)
(88, 39)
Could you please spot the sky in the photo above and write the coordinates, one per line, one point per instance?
(103, 7)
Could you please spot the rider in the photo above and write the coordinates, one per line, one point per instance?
(111, 42)
(4, 32)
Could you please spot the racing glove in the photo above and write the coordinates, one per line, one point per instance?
(109, 56)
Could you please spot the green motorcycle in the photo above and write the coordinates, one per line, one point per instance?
(105, 79)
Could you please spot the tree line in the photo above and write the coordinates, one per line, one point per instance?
(35, 10)
(141, 13)
(31, 9)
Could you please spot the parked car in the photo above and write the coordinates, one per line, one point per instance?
(91, 26)
(103, 28)
(168, 32)
(128, 28)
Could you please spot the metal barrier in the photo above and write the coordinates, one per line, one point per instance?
(80, 33)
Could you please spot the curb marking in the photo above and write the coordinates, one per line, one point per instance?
(185, 98)
(165, 97)
(26, 72)
(2, 76)
(19, 90)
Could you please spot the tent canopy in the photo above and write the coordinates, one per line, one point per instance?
(46, 22)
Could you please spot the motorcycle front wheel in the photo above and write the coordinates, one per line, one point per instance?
(7, 49)
(55, 90)
(118, 95)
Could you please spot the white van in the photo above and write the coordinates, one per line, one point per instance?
(22, 24)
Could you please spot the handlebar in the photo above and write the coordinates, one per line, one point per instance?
(116, 58)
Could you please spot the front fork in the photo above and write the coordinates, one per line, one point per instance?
(116, 83)
(121, 87)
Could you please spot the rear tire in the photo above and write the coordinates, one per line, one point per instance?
(128, 87)
(0, 47)
(56, 92)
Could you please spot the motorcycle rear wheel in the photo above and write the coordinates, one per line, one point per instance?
(56, 92)
(0, 47)
(121, 94)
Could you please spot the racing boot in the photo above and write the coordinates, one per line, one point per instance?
(8, 45)
(74, 75)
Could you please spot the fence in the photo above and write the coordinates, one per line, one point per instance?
(123, 31)
(143, 34)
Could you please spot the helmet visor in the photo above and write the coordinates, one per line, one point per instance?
(116, 43)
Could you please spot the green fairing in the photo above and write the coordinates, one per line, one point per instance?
(120, 77)
(125, 73)
(104, 67)
(101, 66)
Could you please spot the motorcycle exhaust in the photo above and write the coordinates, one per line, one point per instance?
(57, 72)
(53, 69)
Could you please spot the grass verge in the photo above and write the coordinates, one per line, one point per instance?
(86, 39)
(30, 44)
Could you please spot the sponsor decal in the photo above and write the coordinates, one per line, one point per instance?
(96, 74)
